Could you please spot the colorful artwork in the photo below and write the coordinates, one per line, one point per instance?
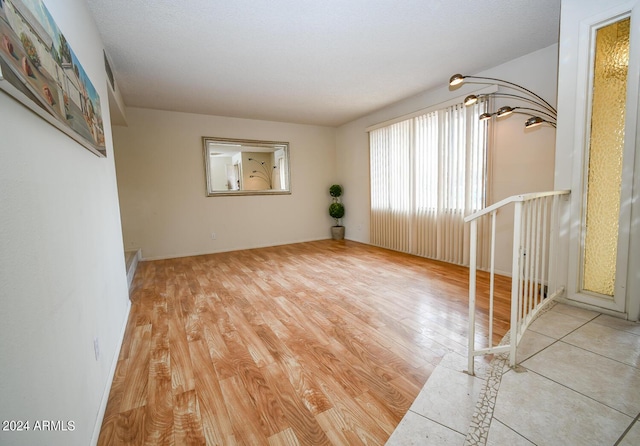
(37, 61)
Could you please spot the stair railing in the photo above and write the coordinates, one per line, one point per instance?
(534, 283)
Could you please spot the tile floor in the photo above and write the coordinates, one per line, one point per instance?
(579, 384)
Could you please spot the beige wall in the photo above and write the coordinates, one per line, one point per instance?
(165, 211)
(62, 273)
(522, 160)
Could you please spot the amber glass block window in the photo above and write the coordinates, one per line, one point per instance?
(605, 158)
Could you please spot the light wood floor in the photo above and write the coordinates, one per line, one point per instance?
(313, 343)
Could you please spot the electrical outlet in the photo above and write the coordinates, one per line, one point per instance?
(96, 348)
(213, 236)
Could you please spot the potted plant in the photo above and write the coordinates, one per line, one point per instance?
(336, 211)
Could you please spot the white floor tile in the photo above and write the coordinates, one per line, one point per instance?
(449, 398)
(618, 324)
(547, 413)
(415, 430)
(633, 436)
(615, 344)
(501, 435)
(593, 375)
(531, 344)
(456, 361)
(576, 312)
(556, 325)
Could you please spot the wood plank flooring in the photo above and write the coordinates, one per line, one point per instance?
(319, 343)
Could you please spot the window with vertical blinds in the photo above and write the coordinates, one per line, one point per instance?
(427, 174)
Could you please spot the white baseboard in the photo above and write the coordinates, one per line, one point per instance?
(112, 372)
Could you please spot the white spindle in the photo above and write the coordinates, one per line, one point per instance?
(546, 253)
(472, 293)
(492, 275)
(516, 286)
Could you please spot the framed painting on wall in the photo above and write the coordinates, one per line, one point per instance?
(39, 69)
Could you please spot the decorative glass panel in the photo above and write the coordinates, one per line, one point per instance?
(605, 158)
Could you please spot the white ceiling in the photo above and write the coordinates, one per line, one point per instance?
(322, 62)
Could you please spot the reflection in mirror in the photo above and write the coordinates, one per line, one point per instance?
(246, 167)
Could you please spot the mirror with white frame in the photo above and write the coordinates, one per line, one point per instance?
(246, 167)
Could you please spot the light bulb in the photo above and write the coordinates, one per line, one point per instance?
(456, 79)
(504, 111)
(470, 100)
(533, 121)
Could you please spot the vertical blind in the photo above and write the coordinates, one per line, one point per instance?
(427, 174)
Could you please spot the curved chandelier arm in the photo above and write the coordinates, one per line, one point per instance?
(534, 120)
(472, 99)
(512, 110)
(457, 79)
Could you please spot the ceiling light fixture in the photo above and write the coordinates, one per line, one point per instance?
(542, 107)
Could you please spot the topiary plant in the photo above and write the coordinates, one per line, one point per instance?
(335, 191)
(336, 210)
